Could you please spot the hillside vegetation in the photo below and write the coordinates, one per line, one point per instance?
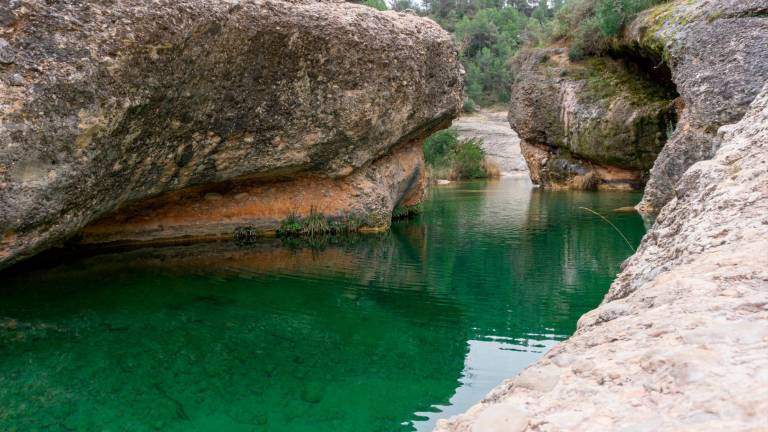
(489, 33)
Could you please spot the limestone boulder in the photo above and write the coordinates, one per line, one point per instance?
(596, 123)
(104, 104)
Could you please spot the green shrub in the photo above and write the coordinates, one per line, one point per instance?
(469, 106)
(469, 160)
(449, 157)
(609, 16)
(587, 40)
(612, 15)
(376, 4)
(439, 147)
(290, 226)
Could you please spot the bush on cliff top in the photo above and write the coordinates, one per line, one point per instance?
(589, 25)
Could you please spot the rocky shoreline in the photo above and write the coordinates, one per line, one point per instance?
(680, 342)
(500, 143)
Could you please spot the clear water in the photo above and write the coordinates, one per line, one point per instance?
(371, 333)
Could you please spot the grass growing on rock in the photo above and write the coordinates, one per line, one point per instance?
(315, 225)
(405, 212)
(605, 79)
(290, 226)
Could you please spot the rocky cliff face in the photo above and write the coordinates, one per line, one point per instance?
(717, 56)
(263, 108)
(679, 342)
(604, 121)
(590, 124)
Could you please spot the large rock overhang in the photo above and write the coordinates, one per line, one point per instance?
(107, 105)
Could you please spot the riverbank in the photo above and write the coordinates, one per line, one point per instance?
(386, 331)
(679, 342)
(500, 143)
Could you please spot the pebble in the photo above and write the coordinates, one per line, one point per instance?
(7, 54)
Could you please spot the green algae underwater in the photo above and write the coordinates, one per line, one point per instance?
(384, 332)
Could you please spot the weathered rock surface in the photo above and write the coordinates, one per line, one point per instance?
(105, 104)
(717, 53)
(501, 144)
(680, 342)
(589, 124)
(717, 62)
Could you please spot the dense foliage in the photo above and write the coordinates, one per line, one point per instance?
(489, 32)
(447, 156)
(590, 24)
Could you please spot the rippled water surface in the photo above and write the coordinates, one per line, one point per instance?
(369, 333)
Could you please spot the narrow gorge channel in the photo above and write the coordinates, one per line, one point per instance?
(383, 215)
(364, 333)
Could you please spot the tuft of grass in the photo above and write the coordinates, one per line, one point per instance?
(315, 224)
(611, 224)
(347, 224)
(246, 234)
(290, 226)
(404, 212)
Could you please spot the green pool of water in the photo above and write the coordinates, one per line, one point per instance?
(369, 333)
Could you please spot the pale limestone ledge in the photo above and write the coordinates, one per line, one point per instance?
(681, 341)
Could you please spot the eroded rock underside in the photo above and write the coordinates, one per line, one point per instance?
(680, 342)
(220, 114)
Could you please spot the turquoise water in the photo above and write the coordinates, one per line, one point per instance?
(368, 333)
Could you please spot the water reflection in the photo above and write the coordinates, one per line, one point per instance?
(365, 333)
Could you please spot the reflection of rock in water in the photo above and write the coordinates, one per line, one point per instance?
(330, 334)
(224, 337)
(500, 142)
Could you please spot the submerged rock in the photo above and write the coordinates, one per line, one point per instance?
(104, 105)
